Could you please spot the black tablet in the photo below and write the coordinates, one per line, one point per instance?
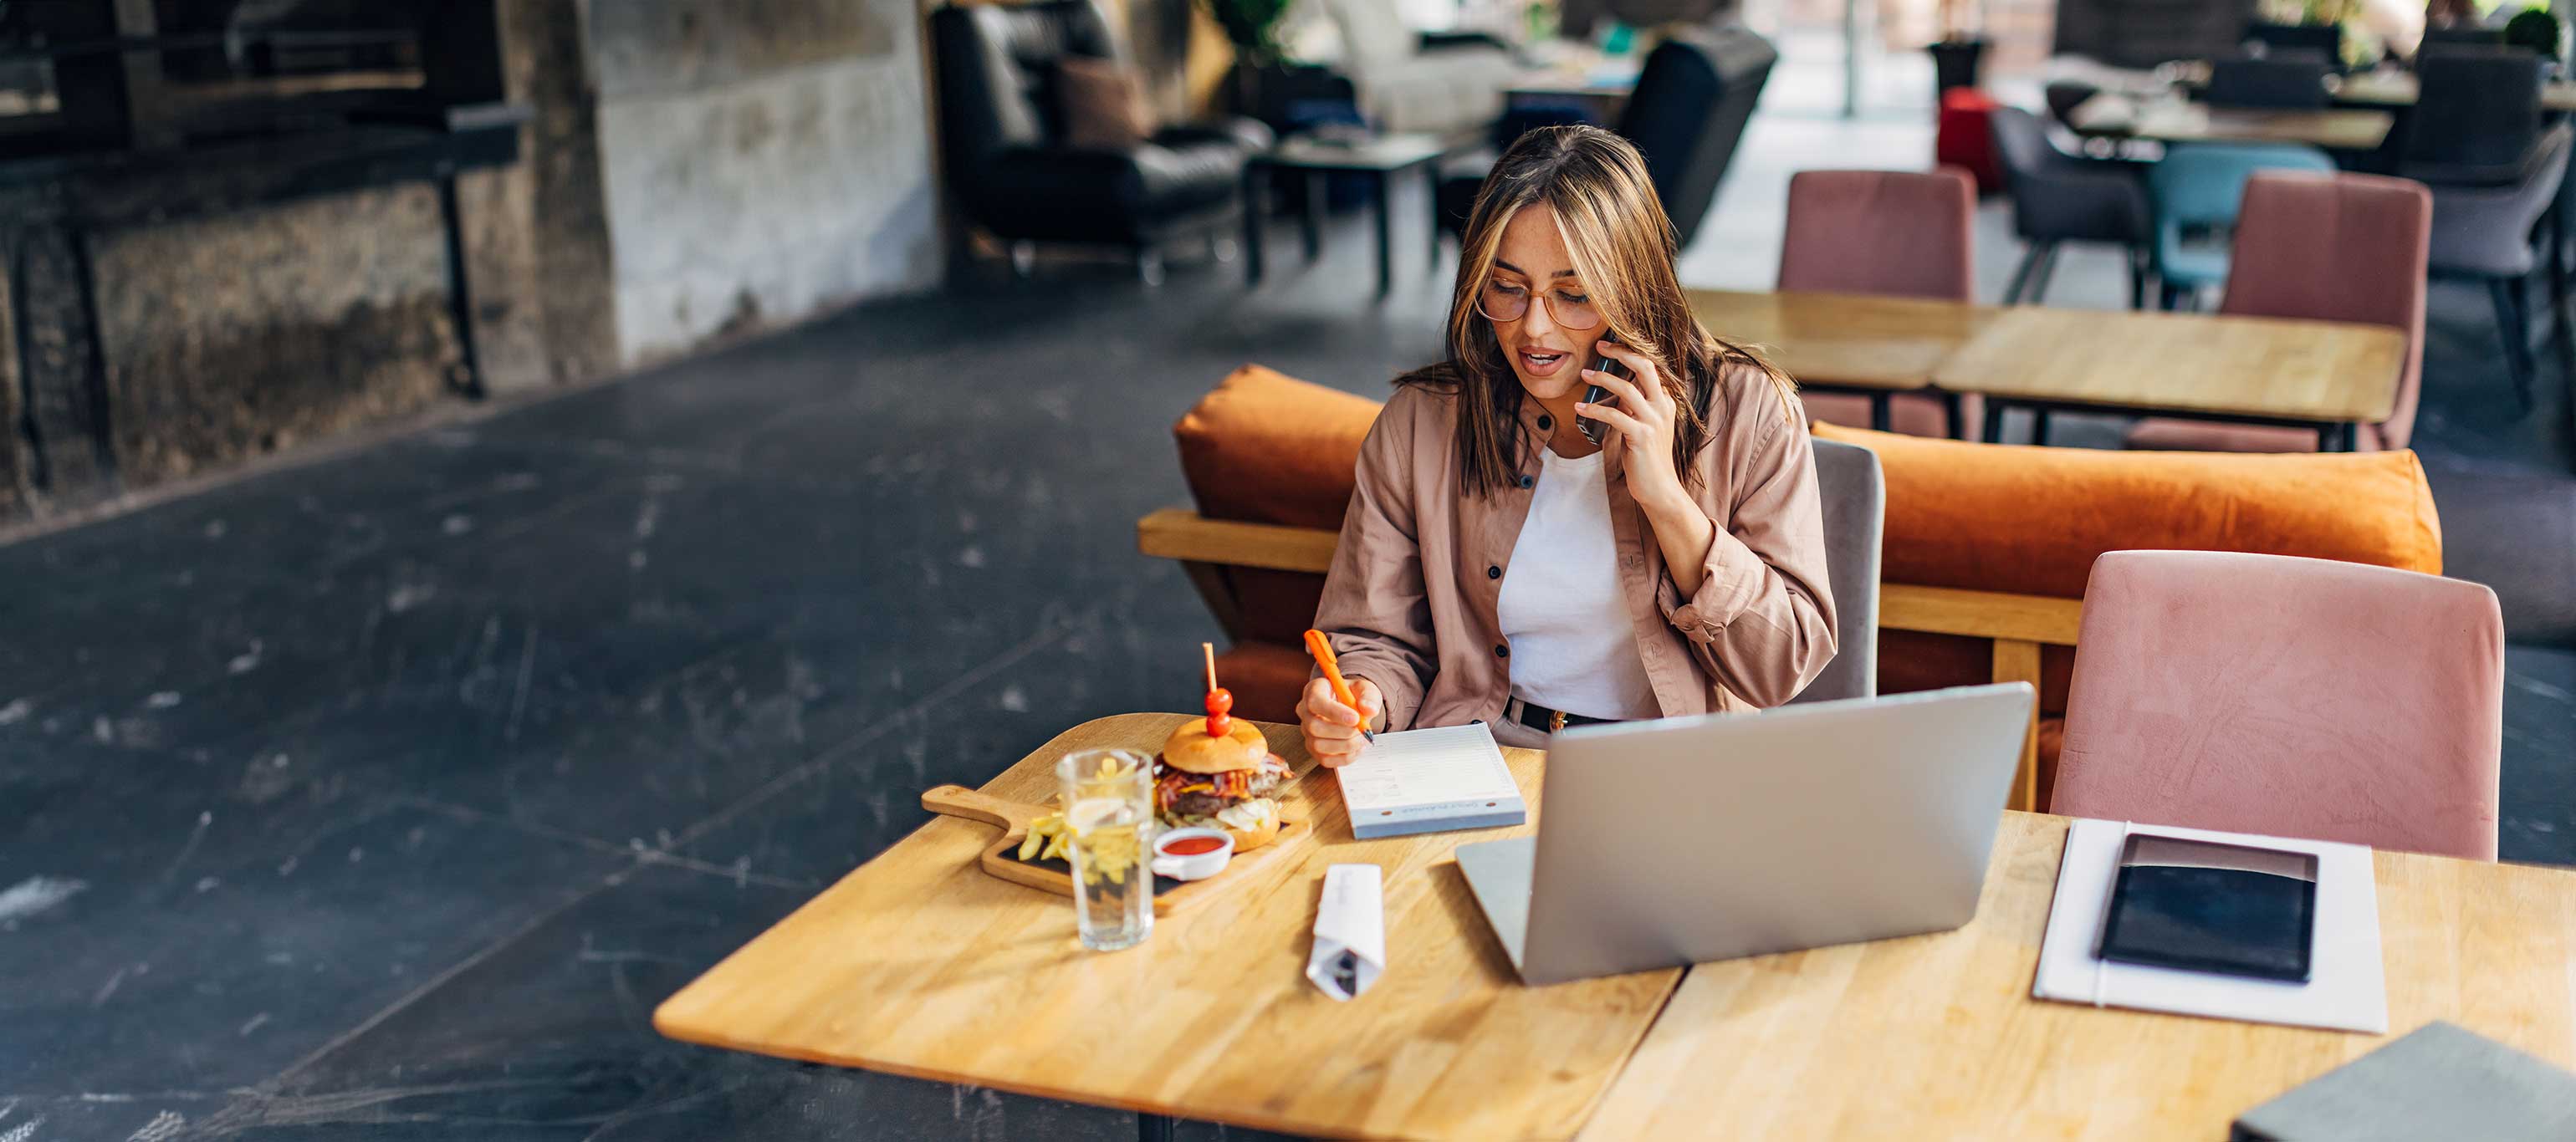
(2204, 906)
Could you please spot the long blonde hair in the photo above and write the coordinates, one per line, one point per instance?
(1622, 246)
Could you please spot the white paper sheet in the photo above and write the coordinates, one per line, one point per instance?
(2346, 989)
(1349, 920)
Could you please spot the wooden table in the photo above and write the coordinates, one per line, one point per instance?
(1938, 1037)
(1846, 342)
(2329, 376)
(2174, 121)
(920, 964)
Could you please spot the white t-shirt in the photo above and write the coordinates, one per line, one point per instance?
(1574, 648)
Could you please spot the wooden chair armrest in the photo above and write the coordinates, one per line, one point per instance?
(1179, 533)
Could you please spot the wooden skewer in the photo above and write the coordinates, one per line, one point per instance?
(1209, 649)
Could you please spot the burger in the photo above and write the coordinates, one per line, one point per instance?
(1223, 781)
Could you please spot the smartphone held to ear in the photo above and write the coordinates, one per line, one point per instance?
(1597, 395)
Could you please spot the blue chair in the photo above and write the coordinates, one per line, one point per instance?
(2198, 187)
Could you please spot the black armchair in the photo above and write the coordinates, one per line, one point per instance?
(1009, 172)
(1688, 112)
(2058, 198)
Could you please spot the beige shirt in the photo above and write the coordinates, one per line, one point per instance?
(1411, 599)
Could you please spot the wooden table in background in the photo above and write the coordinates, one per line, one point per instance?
(920, 964)
(2326, 375)
(1846, 342)
(1937, 1036)
(2174, 121)
(2401, 89)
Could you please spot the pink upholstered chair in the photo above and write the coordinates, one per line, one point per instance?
(1902, 233)
(2297, 697)
(2340, 247)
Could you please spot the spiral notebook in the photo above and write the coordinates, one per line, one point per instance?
(1431, 781)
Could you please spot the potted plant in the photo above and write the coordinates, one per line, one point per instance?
(1959, 53)
(1252, 26)
(2536, 29)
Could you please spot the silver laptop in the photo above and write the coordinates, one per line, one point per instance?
(1693, 839)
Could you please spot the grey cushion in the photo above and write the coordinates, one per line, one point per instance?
(1855, 510)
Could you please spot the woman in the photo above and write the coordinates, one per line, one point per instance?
(1496, 565)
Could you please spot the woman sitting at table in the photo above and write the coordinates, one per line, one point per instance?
(1496, 565)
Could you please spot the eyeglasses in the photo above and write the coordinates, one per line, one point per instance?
(1503, 301)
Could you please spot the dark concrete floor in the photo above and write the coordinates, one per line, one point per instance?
(384, 797)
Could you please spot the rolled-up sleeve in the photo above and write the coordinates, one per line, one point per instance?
(1762, 621)
(1374, 607)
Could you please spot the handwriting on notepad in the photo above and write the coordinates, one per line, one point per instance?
(1428, 767)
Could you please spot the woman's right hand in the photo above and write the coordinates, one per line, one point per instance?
(1332, 729)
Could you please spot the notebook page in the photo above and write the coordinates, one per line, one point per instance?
(1428, 767)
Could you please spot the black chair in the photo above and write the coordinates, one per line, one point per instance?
(2282, 84)
(2319, 42)
(1688, 112)
(2486, 233)
(1000, 140)
(2476, 120)
(2058, 198)
(2438, 40)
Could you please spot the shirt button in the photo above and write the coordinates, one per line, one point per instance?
(1546, 422)
(1502, 651)
(1493, 572)
(1526, 481)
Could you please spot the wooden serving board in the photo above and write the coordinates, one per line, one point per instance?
(1002, 859)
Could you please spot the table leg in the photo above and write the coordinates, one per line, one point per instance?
(2039, 426)
(1955, 413)
(1256, 211)
(1881, 415)
(1385, 234)
(1314, 215)
(1994, 430)
(1153, 1128)
(2336, 437)
(1431, 187)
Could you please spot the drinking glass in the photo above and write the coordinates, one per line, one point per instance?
(1109, 818)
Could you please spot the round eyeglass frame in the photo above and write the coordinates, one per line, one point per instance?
(1599, 319)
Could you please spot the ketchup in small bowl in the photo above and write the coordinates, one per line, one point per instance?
(1192, 854)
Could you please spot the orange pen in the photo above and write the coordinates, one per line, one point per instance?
(1322, 649)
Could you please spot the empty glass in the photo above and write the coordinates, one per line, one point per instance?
(1108, 799)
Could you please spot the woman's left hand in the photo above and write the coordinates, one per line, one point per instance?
(1643, 419)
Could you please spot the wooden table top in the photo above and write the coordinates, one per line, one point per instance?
(1853, 340)
(1938, 1037)
(2174, 121)
(920, 964)
(2256, 367)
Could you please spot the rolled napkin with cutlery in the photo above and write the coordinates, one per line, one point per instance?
(1350, 932)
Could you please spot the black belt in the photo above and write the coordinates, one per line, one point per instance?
(1544, 720)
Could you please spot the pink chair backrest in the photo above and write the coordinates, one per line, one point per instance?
(2295, 697)
(2339, 247)
(1905, 233)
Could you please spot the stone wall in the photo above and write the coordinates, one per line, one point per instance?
(761, 160)
(232, 336)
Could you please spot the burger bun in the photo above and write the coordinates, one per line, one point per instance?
(1191, 750)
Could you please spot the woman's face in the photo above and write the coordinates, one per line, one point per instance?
(1533, 273)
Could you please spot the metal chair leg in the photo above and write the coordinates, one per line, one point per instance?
(2047, 270)
(2137, 278)
(2516, 331)
(2021, 273)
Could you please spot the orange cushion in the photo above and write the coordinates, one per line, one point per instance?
(1997, 517)
(1267, 448)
